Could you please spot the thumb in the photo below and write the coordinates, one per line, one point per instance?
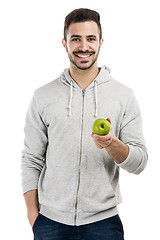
(109, 120)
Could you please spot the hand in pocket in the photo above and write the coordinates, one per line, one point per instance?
(32, 218)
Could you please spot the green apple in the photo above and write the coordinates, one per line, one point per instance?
(101, 126)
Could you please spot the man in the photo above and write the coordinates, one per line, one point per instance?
(70, 176)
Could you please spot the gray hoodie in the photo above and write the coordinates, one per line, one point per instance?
(77, 182)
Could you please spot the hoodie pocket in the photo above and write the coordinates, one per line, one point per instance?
(96, 193)
(56, 190)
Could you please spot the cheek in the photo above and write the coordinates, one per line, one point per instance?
(94, 47)
(97, 47)
(71, 47)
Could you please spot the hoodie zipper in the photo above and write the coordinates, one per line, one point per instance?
(76, 203)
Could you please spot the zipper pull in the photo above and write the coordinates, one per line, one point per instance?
(83, 92)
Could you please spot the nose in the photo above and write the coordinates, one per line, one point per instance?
(83, 45)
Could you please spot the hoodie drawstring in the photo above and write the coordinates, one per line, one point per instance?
(96, 99)
(71, 97)
(70, 101)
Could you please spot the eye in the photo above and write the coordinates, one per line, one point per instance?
(91, 39)
(75, 40)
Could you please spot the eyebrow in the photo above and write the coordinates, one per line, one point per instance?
(79, 36)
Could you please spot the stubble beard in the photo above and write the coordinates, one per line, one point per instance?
(83, 68)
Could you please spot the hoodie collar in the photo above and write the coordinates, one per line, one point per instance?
(102, 77)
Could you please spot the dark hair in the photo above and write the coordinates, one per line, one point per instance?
(82, 15)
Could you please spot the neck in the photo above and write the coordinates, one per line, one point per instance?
(84, 77)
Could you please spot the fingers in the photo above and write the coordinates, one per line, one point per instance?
(102, 141)
(101, 138)
(99, 146)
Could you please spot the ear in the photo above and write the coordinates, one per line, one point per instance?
(64, 44)
(101, 42)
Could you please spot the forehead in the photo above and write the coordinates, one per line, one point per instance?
(83, 29)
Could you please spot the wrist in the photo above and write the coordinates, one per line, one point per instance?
(33, 210)
(110, 143)
(117, 150)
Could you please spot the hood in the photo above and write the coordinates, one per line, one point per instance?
(102, 77)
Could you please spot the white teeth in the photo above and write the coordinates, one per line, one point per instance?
(83, 56)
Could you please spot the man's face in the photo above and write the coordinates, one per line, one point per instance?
(83, 44)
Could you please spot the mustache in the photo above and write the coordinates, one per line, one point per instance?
(77, 52)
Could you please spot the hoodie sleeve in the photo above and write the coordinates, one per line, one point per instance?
(35, 143)
(131, 134)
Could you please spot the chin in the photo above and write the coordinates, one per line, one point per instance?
(84, 65)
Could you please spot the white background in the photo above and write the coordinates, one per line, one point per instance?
(31, 55)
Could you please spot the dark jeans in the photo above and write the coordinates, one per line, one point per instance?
(107, 229)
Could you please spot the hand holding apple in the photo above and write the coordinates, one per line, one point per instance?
(101, 140)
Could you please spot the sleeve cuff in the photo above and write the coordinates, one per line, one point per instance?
(28, 186)
(133, 160)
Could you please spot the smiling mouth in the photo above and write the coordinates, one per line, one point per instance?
(83, 55)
